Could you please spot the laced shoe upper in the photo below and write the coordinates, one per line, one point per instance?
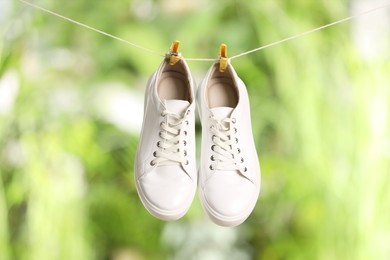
(227, 154)
(171, 149)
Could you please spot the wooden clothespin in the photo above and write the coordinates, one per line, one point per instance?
(173, 54)
(223, 59)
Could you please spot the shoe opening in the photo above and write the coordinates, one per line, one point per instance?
(173, 83)
(221, 90)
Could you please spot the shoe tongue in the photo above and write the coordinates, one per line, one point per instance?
(176, 106)
(221, 113)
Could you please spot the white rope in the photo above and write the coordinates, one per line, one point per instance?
(201, 59)
(211, 59)
(311, 31)
(93, 29)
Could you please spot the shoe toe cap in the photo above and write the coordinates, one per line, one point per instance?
(230, 195)
(167, 188)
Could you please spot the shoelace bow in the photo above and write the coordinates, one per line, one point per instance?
(171, 148)
(226, 153)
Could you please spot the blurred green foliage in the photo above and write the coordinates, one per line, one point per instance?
(320, 119)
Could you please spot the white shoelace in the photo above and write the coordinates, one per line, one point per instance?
(226, 154)
(171, 148)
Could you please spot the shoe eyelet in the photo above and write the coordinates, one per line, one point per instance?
(213, 147)
(242, 160)
(187, 123)
(212, 158)
(155, 154)
(187, 162)
(211, 167)
(246, 169)
(234, 120)
(185, 133)
(158, 144)
(238, 150)
(188, 112)
(185, 153)
(235, 130)
(185, 142)
(236, 140)
(152, 163)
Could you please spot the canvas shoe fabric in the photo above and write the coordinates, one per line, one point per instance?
(165, 166)
(229, 173)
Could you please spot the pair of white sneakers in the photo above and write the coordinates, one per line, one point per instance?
(165, 164)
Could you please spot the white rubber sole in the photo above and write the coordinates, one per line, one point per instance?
(226, 221)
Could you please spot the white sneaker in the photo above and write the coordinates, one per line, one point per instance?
(165, 166)
(229, 174)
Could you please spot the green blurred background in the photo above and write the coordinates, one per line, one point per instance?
(71, 105)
